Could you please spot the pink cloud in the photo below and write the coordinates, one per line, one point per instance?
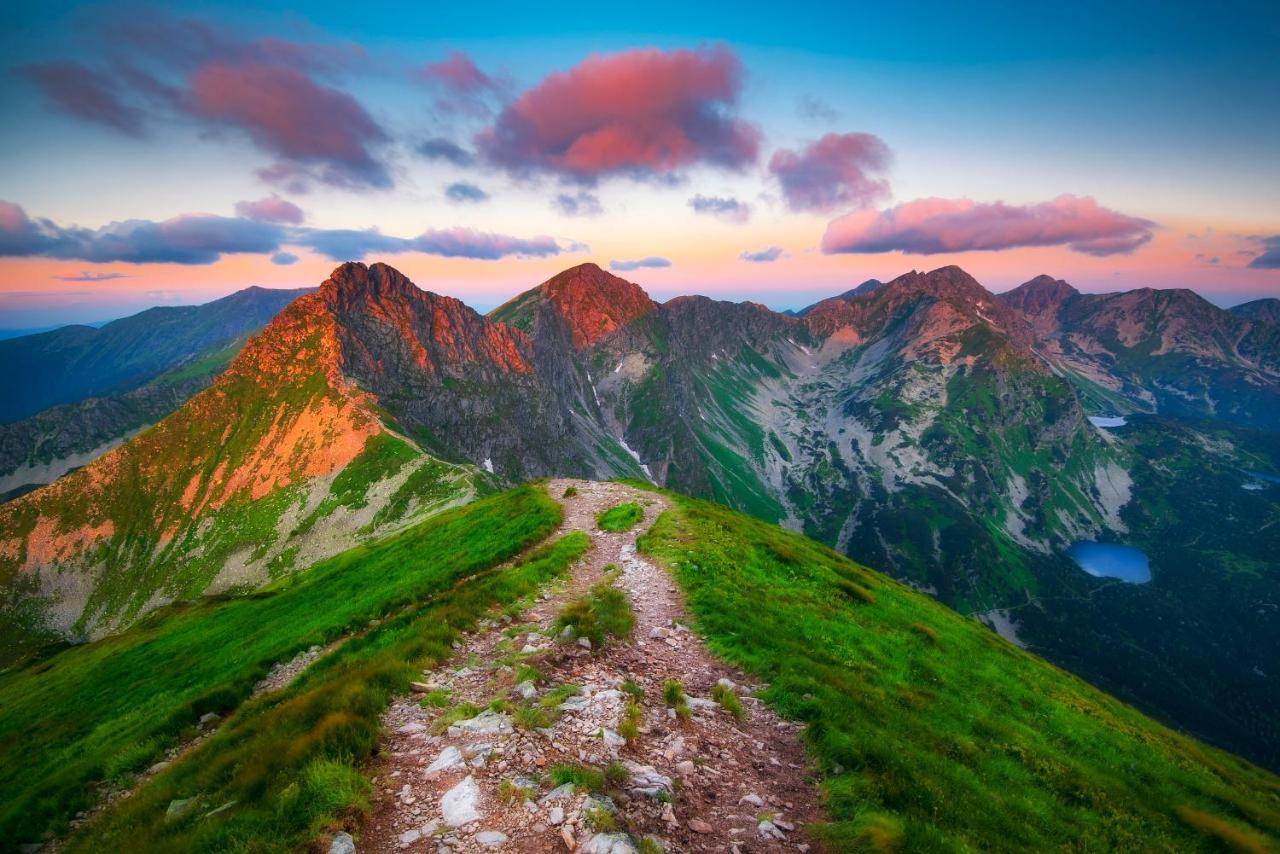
(464, 87)
(288, 113)
(642, 112)
(270, 209)
(836, 171)
(931, 226)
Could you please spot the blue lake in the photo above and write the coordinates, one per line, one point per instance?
(1261, 475)
(1108, 560)
(1107, 420)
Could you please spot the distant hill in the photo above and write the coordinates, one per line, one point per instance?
(74, 362)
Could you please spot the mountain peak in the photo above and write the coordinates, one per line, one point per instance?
(594, 302)
(1042, 296)
(355, 280)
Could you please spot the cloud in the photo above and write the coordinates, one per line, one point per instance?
(727, 209)
(930, 226)
(290, 115)
(463, 87)
(271, 209)
(439, 148)
(186, 239)
(88, 276)
(464, 192)
(79, 92)
(834, 172)
(764, 256)
(580, 203)
(644, 113)
(151, 65)
(1269, 259)
(651, 261)
(284, 259)
(204, 238)
(815, 109)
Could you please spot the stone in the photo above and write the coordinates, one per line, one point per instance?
(559, 793)
(491, 838)
(450, 757)
(769, 830)
(527, 690)
(567, 838)
(612, 739)
(752, 800)
(208, 718)
(585, 643)
(158, 767)
(485, 723)
(566, 632)
(727, 683)
(645, 780)
(410, 836)
(702, 704)
(609, 843)
(421, 687)
(342, 844)
(697, 825)
(556, 816)
(410, 728)
(528, 648)
(178, 808)
(686, 768)
(461, 804)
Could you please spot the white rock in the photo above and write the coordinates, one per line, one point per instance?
(410, 728)
(342, 844)
(528, 648)
(769, 830)
(527, 690)
(585, 643)
(559, 793)
(727, 683)
(485, 723)
(410, 836)
(461, 804)
(753, 799)
(556, 816)
(611, 738)
(450, 757)
(491, 838)
(645, 780)
(609, 843)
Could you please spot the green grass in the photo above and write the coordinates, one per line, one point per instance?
(728, 700)
(109, 708)
(332, 714)
(948, 739)
(623, 517)
(602, 614)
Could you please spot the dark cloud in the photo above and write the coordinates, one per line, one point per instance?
(580, 203)
(729, 209)
(930, 226)
(651, 261)
(151, 65)
(439, 148)
(464, 192)
(644, 113)
(204, 238)
(284, 259)
(186, 239)
(764, 256)
(837, 171)
(79, 92)
(88, 276)
(1269, 259)
(271, 209)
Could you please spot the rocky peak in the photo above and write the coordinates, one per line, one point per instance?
(1266, 309)
(1040, 295)
(594, 303)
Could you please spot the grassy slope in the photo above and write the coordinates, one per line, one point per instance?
(935, 734)
(108, 708)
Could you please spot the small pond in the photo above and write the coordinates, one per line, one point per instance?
(1111, 560)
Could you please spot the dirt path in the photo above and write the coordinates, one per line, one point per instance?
(710, 783)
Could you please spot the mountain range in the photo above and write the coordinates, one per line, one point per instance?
(924, 426)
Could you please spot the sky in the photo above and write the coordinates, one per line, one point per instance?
(173, 154)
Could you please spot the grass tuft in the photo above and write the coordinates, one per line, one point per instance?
(622, 517)
(728, 700)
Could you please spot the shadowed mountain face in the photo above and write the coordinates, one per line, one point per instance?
(923, 425)
(75, 362)
(1165, 351)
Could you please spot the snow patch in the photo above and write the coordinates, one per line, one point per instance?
(488, 465)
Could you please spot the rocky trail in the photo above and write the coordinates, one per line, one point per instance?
(477, 758)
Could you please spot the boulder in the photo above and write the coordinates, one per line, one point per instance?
(461, 804)
(342, 844)
(450, 757)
